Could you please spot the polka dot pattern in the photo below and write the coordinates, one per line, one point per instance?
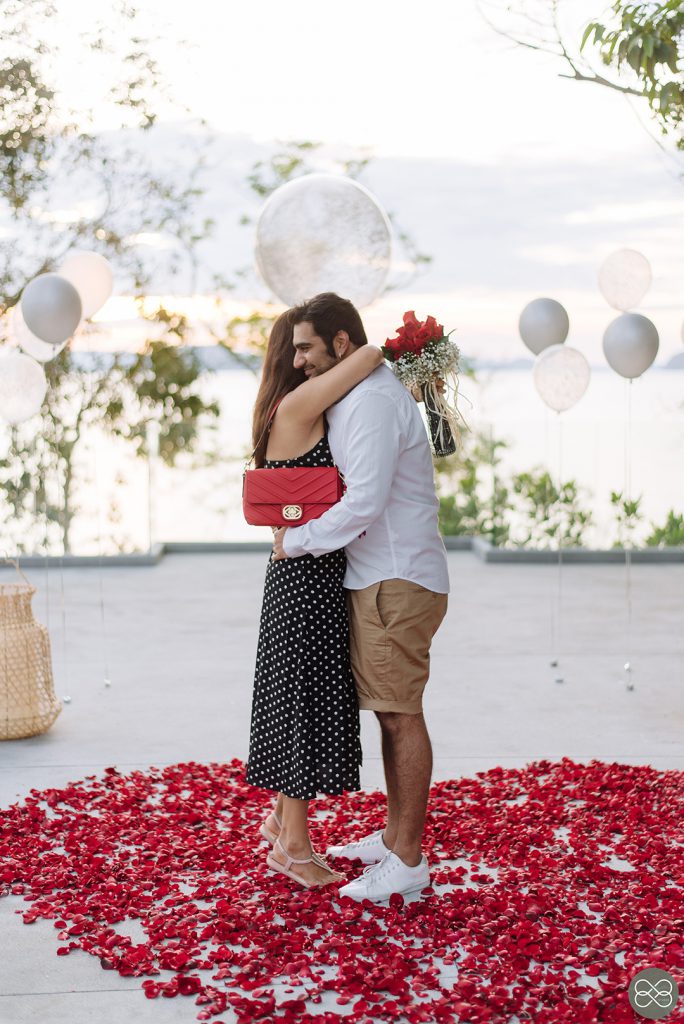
(305, 730)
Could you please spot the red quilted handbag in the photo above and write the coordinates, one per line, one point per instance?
(289, 495)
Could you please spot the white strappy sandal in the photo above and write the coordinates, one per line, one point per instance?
(265, 830)
(284, 869)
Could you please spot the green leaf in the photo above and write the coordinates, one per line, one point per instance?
(594, 27)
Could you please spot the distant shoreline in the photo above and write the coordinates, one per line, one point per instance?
(217, 358)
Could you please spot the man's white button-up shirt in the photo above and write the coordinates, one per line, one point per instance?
(387, 519)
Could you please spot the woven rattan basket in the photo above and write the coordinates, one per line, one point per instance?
(28, 704)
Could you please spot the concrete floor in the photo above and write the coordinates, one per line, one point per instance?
(178, 642)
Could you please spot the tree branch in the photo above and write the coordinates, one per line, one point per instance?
(627, 90)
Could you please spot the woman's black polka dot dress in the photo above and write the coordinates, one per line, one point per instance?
(305, 731)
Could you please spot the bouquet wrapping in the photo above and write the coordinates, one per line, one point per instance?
(421, 355)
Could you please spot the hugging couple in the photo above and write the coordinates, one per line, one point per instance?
(351, 600)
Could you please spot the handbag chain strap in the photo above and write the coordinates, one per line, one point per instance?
(265, 431)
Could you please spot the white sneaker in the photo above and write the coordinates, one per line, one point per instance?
(377, 883)
(370, 850)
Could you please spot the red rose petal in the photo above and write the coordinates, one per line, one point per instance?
(529, 913)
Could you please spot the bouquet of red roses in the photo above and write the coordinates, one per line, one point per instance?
(421, 355)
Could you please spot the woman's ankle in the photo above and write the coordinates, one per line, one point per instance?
(296, 844)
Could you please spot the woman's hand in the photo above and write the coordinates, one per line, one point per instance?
(278, 552)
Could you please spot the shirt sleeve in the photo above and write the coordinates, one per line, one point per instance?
(372, 442)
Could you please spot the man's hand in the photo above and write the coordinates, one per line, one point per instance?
(417, 390)
(278, 552)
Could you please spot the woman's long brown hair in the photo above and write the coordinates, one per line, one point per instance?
(278, 378)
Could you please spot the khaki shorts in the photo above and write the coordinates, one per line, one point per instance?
(391, 627)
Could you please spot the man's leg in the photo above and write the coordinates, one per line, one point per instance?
(389, 836)
(407, 757)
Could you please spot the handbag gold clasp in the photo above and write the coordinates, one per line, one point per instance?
(292, 511)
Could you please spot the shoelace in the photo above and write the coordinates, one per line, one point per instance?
(374, 869)
(379, 870)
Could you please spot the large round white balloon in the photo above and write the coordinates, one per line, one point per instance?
(321, 233)
(22, 386)
(51, 308)
(28, 342)
(543, 322)
(630, 344)
(92, 277)
(561, 376)
(624, 278)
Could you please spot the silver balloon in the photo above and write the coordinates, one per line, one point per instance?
(624, 278)
(91, 276)
(28, 342)
(22, 386)
(51, 308)
(543, 322)
(630, 344)
(323, 232)
(561, 376)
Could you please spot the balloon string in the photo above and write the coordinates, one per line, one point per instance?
(560, 530)
(42, 477)
(628, 539)
(103, 618)
(149, 497)
(553, 611)
(61, 495)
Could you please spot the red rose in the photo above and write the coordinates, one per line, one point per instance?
(413, 336)
(436, 330)
(392, 347)
(411, 324)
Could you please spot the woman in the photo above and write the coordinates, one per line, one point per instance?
(305, 733)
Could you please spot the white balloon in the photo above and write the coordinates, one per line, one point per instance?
(543, 322)
(92, 277)
(630, 344)
(22, 386)
(51, 308)
(28, 342)
(323, 232)
(561, 376)
(624, 278)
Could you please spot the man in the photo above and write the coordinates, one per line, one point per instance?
(396, 581)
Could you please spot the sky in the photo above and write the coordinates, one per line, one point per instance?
(429, 80)
(517, 181)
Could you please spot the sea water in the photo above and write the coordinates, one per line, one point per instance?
(620, 436)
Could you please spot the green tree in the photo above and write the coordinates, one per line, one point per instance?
(639, 46)
(51, 155)
(627, 518)
(550, 514)
(64, 184)
(644, 42)
(473, 498)
(122, 395)
(670, 534)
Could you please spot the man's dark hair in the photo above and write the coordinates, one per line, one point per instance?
(328, 313)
